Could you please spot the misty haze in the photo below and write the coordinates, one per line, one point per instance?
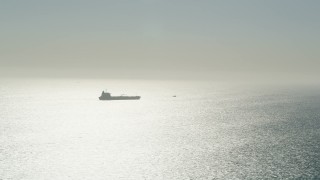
(159, 89)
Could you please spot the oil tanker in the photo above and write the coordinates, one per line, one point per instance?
(107, 96)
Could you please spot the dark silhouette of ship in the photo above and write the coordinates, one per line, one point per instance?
(107, 96)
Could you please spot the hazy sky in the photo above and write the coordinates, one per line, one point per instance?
(158, 38)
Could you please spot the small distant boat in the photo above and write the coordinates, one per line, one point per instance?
(107, 96)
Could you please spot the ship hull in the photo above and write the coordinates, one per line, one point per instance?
(120, 98)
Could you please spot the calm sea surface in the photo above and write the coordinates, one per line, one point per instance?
(58, 129)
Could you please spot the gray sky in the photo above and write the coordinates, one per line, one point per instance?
(158, 38)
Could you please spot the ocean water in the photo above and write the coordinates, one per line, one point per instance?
(58, 129)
